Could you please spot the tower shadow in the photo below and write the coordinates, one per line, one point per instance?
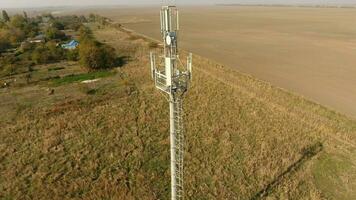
(307, 154)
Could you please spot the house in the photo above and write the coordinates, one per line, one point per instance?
(38, 39)
(71, 45)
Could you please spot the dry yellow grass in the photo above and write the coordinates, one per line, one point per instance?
(246, 139)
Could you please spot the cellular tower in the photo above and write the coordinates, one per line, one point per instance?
(172, 78)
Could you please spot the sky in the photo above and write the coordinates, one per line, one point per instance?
(45, 3)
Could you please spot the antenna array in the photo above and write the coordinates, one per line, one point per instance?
(173, 79)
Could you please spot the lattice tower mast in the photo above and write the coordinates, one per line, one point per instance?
(172, 78)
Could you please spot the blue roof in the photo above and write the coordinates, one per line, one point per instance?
(73, 42)
(71, 45)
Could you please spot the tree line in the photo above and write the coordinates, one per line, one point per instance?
(16, 30)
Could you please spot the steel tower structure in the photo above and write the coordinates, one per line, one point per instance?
(172, 78)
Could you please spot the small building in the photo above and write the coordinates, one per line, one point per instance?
(38, 39)
(71, 45)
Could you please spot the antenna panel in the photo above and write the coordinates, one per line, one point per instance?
(168, 71)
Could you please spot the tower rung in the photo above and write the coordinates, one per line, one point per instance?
(179, 146)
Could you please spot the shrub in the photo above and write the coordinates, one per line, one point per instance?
(6, 60)
(47, 53)
(10, 69)
(72, 55)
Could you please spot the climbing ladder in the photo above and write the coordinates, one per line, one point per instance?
(179, 144)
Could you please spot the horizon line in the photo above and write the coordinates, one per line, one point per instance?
(186, 4)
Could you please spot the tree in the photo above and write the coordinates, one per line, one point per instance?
(109, 55)
(92, 17)
(4, 41)
(40, 55)
(55, 53)
(5, 16)
(47, 53)
(31, 29)
(85, 34)
(12, 35)
(16, 35)
(58, 25)
(18, 21)
(89, 54)
(95, 56)
(47, 17)
(53, 34)
(25, 15)
(82, 19)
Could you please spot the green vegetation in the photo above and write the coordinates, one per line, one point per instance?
(57, 25)
(26, 42)
(53, 33)
(93, 54)
(82, 77)
(18, 52)
(16, 29)
(72, 55)
(47, 53)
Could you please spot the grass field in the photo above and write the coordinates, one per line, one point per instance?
(310, 51)
(246, 139)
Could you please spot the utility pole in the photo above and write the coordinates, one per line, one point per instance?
(172, 78)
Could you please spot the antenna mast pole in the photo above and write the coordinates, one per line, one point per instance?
(173, 79)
